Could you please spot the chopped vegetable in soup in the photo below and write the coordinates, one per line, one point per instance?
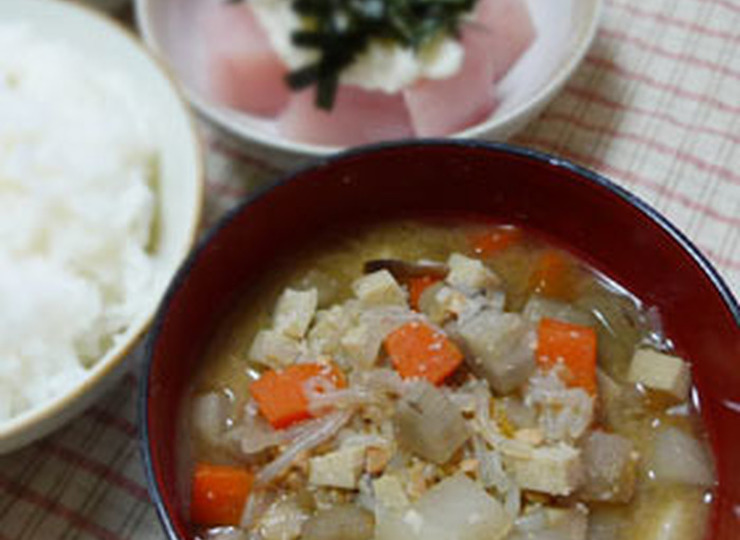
(444, 381)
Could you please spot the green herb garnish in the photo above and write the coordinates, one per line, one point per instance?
(341, 30)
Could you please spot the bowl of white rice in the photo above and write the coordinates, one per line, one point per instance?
(100, 199)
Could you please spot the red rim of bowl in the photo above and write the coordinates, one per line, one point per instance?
(599, 180)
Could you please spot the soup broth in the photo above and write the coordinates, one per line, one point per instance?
(388, 372)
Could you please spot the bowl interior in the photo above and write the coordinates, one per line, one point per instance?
(574, 208)
(565, 29)
(178, 180)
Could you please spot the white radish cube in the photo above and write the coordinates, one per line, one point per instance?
(660, 371)
(294, 312)
(459, 509)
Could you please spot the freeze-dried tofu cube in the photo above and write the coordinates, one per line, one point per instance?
(362, 344)
(379, 288)
(330, 325)
(389, 492)
(274, 349)
(294, 312)
(470, 274)
(556, 470)
(660, 371)
(339, 469)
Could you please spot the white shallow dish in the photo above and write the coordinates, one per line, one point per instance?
(566, 29)
(179, 188)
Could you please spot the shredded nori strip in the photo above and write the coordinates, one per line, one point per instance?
(341, 30)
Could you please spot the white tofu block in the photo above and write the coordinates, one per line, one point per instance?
(340, 469)
(378, 289)
(556, 470)
(362, 345)
(469, 274)
(294, 312)
(662, 372)
(389, 493)
(274, 349)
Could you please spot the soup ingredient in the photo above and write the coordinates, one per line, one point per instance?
(346, 522)
(563, 414)
(281, 394)
(283, 520)
(455, 509)
(679, 457)
(339, 469)
(610, 465)
(543, 523)
(210, 412)
(294, 312)
(322, 430)
(77, 203)
(428, 424)
(379, 288)
(662, 372)
(571, 345)
(501, 348)
(417, 286)
(416, 276)
(470, 275)
(418, 350)
(676, 518)
(274, 349)
(555, 470)
(219, 493)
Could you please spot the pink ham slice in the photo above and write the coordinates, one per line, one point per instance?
(441, 107)
(243, 70)
(508, 27)
(502, 30)
(358, 117)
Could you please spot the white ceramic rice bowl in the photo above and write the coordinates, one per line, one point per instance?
(179, 189)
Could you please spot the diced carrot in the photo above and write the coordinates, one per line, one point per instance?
(417, 286)
(572, 345)
(490, 242)
(418, 350)
(553, 276)
(280, 394)
(219, 494)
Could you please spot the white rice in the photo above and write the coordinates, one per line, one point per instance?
(76, 215)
